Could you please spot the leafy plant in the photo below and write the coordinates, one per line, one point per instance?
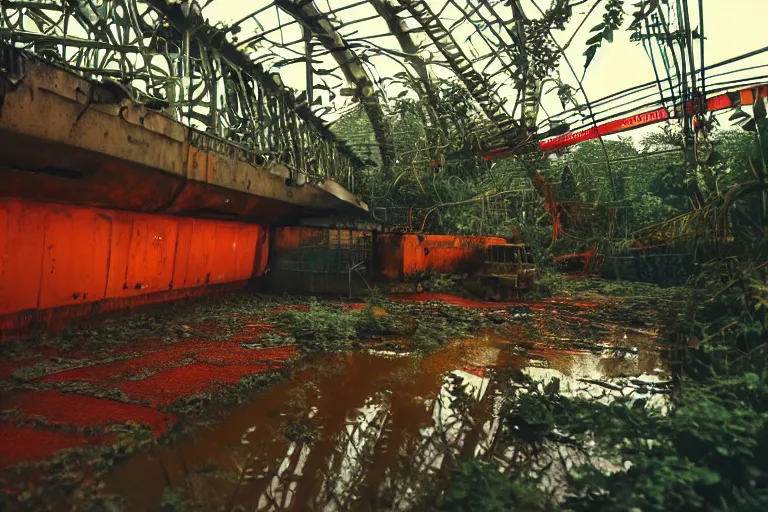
(613, 17)
(321, 328)
(479, 486)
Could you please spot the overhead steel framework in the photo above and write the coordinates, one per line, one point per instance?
(229, 68)
(321, 28)
(224, 80)
(166, 56)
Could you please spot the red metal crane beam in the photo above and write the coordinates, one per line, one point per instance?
(724, 101)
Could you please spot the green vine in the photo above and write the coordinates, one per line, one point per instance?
(613, 18)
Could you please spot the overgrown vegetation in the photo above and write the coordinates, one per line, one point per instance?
(420, 326)
(606, 203)
(651, 210)
(322, 328)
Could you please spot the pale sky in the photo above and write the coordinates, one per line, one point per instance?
(731, 27)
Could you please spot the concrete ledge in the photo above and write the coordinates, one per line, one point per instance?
(47, 126)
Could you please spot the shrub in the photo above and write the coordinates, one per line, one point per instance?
(321, 328)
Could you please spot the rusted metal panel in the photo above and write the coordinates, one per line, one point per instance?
(291, 237)
(52, 320)
(223, 264)
(197, 164)
(151, 254)
(316, 260)
(34, 170)
(75, 256)
(403, 255)
(119, 254)
(181, 258)
(150, 120)
(21, 252)
(59, 98)
(201, 251)
(54, 255)
(246, 253)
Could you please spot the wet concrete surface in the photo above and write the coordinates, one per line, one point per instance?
(363, 431)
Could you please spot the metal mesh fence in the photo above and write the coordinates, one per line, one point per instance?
(335, 251)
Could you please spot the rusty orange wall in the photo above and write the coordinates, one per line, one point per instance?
(401, 256)
(57, 255)
(292, 237)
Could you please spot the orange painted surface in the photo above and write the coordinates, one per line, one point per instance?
(54, 256)
(401, 256)
(294, 237)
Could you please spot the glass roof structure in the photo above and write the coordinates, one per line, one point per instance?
(257, 73)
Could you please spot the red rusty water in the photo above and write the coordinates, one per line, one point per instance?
(331, 394)
(337, 388)
(335, 385)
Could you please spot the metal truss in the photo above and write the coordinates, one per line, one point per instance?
(169, 58)
(474, 81)
(321, 27)
(494, 27)
(225, 77)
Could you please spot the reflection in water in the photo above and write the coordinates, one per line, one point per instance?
(372, 430)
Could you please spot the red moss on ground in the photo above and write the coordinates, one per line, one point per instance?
(208, 328)
(169, 385)
(250, 332)
(211, 365)
(8, 367)
(143, 364)
(154, 372)
(23, 444)
(229, 355)
(455, 300)
(83, 411)
(138, 347)
(226, 353)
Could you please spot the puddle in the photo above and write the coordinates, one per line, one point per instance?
(370, 430)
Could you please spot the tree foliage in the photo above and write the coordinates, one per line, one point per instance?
(708, 451)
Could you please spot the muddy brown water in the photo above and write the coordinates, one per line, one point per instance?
(364, 430)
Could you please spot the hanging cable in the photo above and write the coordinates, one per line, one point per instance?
(589, 105)
(649, 50)
(701, 49)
